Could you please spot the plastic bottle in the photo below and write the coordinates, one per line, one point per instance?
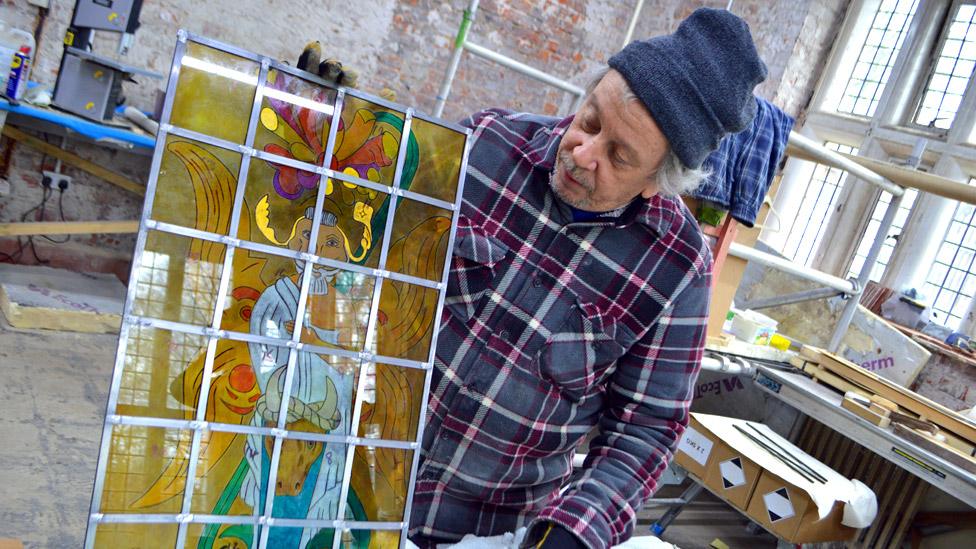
(16, 57)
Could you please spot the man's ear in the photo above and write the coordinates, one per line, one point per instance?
(650, 190)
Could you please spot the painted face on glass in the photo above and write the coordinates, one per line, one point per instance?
(610, 152)
(330, 245)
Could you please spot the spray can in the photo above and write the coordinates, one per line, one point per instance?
(16, 47)
(19, 73)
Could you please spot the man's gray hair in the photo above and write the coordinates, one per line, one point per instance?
(328, 218)
(673, 177)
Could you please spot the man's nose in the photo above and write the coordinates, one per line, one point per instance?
(585, 154)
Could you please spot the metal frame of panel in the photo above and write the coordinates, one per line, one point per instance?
(199, 426)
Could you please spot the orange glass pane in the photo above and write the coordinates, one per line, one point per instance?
(178, 278)
(162, 373)
(215, 93)
(419, 240)
(405, 321)
(379, 479)
(196, 185)
(135, 536)
(391, 402)
(146, 471)
(440, 151)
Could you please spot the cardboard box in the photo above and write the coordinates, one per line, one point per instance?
(788, 513)
(727, 472)
(716, 451)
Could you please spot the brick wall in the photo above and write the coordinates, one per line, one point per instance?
(401, 44)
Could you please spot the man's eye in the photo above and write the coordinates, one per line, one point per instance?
(333, 242)
(307, 234)
(588, 126)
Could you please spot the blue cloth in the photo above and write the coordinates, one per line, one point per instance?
(583, 215)
(742, 168)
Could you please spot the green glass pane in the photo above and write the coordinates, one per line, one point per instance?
(232, 471)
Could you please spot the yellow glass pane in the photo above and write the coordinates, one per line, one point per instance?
(220, 536)
(368, 141)
(379, 479)
(295, 119)
(419, 240)
(405, 321)
(178, 278)
(391, 402)
(439, 160)
(135, 536)
(321, 394)
(231, 476)
(271, 213)
(338, 307)
(162, 374)
(215, 93)
(306, 468)
(196, 185)
(146, 470)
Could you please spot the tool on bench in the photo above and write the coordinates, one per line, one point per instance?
(90, 85)
(783, 455)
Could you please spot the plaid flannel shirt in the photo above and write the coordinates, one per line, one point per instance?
(549, 329)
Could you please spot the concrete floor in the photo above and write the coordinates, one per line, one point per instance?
(53, 400)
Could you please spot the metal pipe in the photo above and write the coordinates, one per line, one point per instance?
(829, 157)
(789, 299)
(782, 264)
(633, 23)
(459, 41)
(865, 274)
(517, 66)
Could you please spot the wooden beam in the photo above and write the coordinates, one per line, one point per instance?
(74, 160)
(906, 177)
(68, 227)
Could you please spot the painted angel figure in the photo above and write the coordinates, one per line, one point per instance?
(310, 474)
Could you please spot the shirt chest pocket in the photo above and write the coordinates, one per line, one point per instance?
(584, 351)
(474, 265)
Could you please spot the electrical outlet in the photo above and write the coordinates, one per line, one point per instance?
(59, 181)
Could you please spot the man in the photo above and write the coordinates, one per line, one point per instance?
(578, 297)
(591, 309)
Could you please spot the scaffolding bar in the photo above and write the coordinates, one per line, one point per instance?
(825, 156)
(787, 266)
(522, 68)
(789, 299)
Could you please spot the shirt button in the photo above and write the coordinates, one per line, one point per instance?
(503, 335)
(536, 281)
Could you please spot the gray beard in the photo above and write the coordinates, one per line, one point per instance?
(319, 285)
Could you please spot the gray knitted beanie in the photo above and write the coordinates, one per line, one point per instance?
(698, 82)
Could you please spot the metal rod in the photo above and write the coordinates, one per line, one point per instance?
(862, 278)
(787, 266)
(466, 19)
(789, 299)
(831, 158)
(786, 460)
(633, 23)
(802, 463)
(517, 66)
(725, 366)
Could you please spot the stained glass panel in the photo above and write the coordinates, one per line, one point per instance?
(289, 374)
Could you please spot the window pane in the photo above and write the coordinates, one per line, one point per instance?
(950, 289)
(878, 52)
(951, 73)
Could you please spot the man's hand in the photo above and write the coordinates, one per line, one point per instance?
(331, 69)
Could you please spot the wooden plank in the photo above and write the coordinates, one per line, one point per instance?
(68, 227)
(864, 413)
(932, 411)
(944, 451)
(75, 160)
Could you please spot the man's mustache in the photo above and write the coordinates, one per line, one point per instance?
(574, 171)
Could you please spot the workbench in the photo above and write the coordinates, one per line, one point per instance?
(60, 123)
(824, 404)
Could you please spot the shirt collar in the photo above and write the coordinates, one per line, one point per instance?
(657, 213)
